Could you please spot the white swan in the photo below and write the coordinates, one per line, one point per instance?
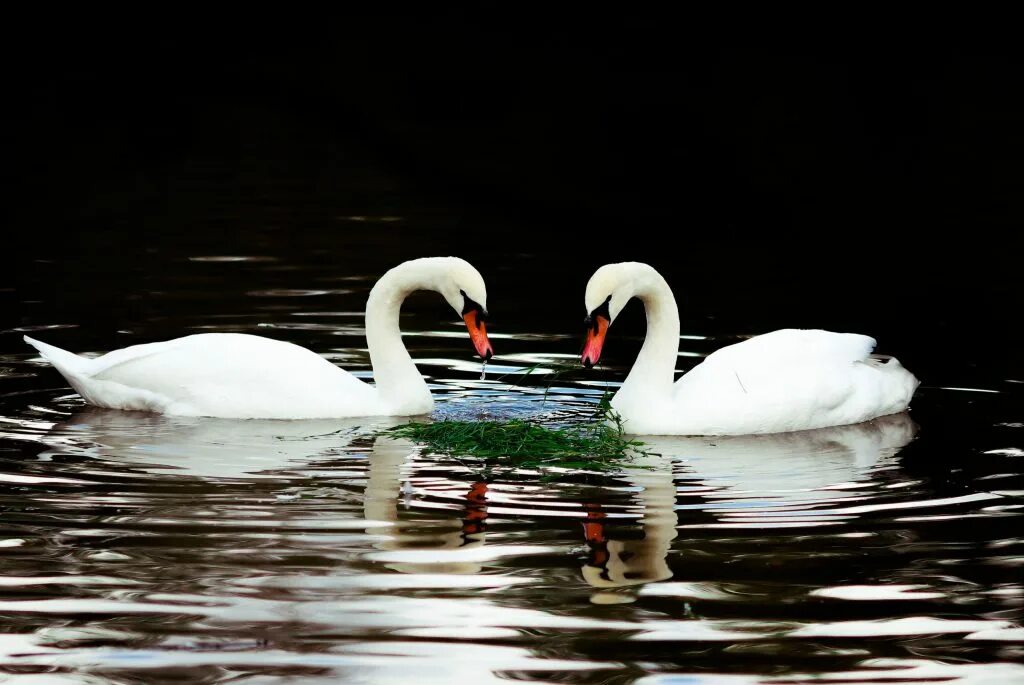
(787, 380)
(237, 376)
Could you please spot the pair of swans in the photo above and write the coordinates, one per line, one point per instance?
(787, 380)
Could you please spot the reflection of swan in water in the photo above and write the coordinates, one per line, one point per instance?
(622, 562)
(612, 562)
(212, 448)
(787, 467)
(772, 470)
(735, 476)
(204, 447)
(383, 493)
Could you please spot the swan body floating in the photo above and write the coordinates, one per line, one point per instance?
(787, 380)
(239, 376)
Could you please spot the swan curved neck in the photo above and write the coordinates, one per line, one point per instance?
(394, 372)
(653, 373)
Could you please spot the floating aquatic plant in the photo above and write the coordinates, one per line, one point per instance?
(597, 445)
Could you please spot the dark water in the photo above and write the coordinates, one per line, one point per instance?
(141, 548)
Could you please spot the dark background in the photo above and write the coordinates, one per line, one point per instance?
(875, 191)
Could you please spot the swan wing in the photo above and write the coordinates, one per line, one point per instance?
(792, 380)
(227, 375)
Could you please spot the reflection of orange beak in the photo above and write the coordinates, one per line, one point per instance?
(593, 532)
(595, 341)
(476, 510)
(593, 526)
(478, 334)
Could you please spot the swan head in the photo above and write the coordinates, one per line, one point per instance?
(463, 287)
(608, 291)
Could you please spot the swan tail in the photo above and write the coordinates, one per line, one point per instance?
(901, 383)
(69, 364)
(80, 374)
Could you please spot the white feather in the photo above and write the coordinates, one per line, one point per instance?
(787, 380)
(231, 375)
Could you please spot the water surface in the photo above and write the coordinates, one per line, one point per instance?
(142, 548)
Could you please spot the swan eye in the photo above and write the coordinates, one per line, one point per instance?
(603, 310)
(472, 305)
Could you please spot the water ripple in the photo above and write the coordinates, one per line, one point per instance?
(324, 549)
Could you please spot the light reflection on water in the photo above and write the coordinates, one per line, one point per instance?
(216, 550)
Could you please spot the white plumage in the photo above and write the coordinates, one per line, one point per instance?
(229, 375)
(787, 380)
(232, 375)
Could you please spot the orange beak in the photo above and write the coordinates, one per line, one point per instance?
(478, 334)
(595, 340)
